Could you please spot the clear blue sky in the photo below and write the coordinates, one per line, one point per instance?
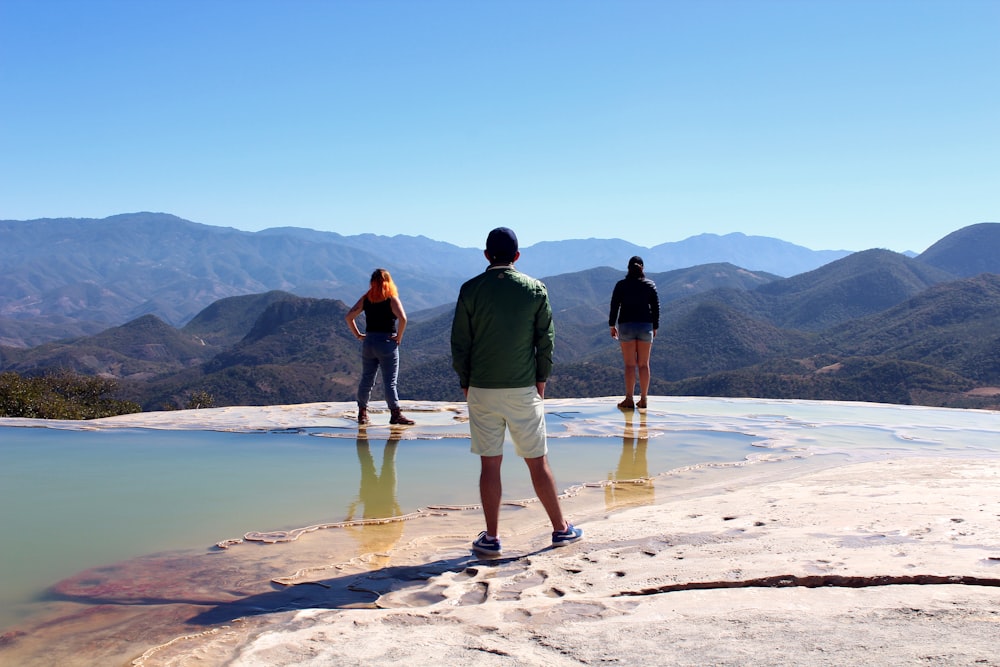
(834, 124)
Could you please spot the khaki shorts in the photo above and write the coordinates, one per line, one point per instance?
(493, 411)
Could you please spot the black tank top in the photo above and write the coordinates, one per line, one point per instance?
(379, 317)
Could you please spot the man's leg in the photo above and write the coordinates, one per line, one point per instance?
(545, 488)
(490, 492)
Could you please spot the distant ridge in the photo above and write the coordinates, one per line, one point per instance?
(64, 277)
(968, 251)
(755, 253)
(873, 326)
(860, 284)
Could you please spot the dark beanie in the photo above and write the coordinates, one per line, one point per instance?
(501, 245)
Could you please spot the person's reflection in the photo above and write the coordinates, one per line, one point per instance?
(377, 498)
(620, 492)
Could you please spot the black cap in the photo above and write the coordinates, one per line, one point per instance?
(501, 244)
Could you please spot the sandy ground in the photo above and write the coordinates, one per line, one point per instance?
(888, 563)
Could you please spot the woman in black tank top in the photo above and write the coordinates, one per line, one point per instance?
(385, 322)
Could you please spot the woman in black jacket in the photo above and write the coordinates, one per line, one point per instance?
(634, 320)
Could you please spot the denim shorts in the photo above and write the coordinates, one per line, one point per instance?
(641, 331)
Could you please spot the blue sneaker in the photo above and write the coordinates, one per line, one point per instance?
(486, 545)
(561, 538)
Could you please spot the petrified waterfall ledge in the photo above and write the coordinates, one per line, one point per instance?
(888, 553)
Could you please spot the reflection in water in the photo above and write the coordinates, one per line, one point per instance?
(108, 614)
(377, 498)
(631, 484)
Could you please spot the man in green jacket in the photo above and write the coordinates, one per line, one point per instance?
(501, 347)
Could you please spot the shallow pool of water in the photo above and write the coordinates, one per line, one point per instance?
(70, 500)
(73, 499)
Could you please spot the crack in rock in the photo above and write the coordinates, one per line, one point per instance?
(818, 581)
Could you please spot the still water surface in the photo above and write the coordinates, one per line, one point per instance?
(77, 499)
(71, 500)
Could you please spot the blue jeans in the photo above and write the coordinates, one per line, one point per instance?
(379, 351)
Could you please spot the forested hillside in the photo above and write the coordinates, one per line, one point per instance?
(64, 278)
(872, 326)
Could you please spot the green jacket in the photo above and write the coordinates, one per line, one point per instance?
(502, 335)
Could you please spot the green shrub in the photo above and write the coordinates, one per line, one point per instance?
(200, 399)
(61, 396)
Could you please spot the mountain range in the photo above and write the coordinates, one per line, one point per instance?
(61, 278)
(873, 325)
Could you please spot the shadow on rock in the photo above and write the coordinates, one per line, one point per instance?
(361, 590)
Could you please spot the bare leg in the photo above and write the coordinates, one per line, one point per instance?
(630, 359)
(643, 350)
(490, 492)
(545, 488)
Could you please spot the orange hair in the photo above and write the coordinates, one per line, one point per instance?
(381, 287)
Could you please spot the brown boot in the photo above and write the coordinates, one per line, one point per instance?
(362, 415)
(398, 418)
